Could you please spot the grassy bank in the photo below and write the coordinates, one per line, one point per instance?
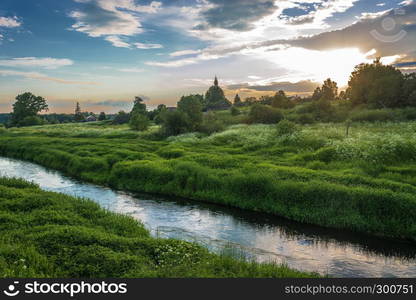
(315, 174)
(44, 234)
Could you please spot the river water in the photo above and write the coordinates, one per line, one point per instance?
(256, 236)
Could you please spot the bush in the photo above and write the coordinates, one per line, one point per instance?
(286, 127)
(305, 118)
(31, 121)
(175, 123)
(121, 118)
(211, 124)
(264, 114)
(139, 122)
(234, 111)
(371, 116)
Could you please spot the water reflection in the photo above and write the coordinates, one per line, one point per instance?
(258, 236)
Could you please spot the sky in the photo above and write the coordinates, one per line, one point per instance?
(103, 53)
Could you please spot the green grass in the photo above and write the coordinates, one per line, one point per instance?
(45, 234)
(365, 182)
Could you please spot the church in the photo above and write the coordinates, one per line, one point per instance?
(215, 98)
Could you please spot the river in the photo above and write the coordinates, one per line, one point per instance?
(256, 236)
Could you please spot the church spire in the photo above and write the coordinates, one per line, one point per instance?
(216, 81)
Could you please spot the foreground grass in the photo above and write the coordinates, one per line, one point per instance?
(365, 182)
(44, 234)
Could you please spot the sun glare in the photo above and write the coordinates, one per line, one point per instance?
(318, 65)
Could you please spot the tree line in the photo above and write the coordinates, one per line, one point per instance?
(371, 85)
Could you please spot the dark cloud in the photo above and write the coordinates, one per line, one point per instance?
(236, 15)
(112, 103)
(306, 19)
(115, 103)
(406, 64)
(304, 86)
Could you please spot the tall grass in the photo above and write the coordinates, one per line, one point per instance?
(314, 173)
(44, 234)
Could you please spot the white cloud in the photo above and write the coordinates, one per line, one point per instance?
(111, 19)
(147, 46)
(131, 70)
(184, 53)
(46, 63)
(9, 22)
(40, 76)
(206, 55)
(117, 41)
(323, 11)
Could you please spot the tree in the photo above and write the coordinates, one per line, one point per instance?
(175, 123)
(317, 94)
(376, 85)
(78, 117)
(139, 122)
(237, 100)
(280, 100)
(329, 90)
(250, 101)
(158, 113)
(121, 118)
(409, 89)
(192, 106)
(27, 105)
(139, 106)
(102, 117)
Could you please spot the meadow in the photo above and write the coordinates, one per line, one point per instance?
(49, 235)
(315, 174)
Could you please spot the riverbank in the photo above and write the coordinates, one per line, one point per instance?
(45, 234)
(362, 183)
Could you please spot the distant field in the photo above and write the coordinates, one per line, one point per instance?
(315, 174)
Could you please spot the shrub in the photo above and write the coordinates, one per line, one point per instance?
(264, 114)
(170, 153)
(31, 121)
(234, 111)
(211, 124)
(286, 127)
(139, 122)
(305, 118)
(371, 116)
(175, 123)
(121, 118)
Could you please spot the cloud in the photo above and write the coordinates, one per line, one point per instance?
(131, 70)
(147, 46)
(184, 53)
(368, 33)
(304, 86)
(236, 14)
(46, 63)
(117, 41)
(111, 103)
(391, 33)
(9, 22)
(322, 11)
(111, 18)
(204, 56)
(39, 76)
